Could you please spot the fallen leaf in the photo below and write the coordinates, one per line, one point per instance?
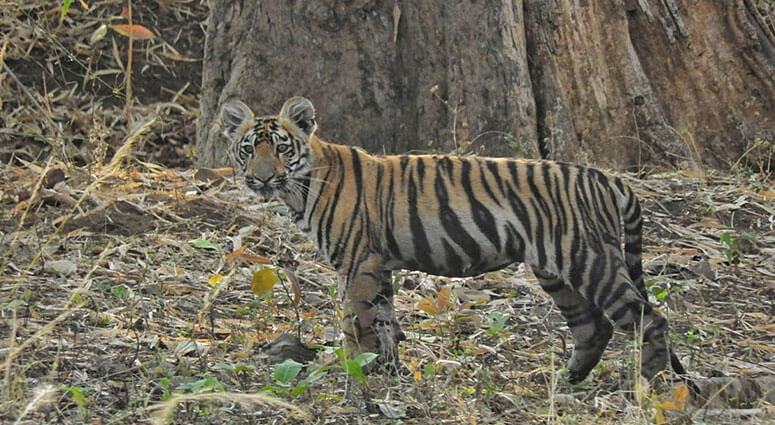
(235, 254)
(256, 258)
(214, 279)
(263, 281)
(136, 31)
(202, 243)
(295, 288)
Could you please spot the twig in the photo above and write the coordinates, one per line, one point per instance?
(128, 107)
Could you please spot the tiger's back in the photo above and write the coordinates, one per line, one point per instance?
(456, 216)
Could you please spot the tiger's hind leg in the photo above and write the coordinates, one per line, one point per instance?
(590, 329)
(625, 305)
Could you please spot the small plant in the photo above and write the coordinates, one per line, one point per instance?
(731, 247)
(660, 293)
(496, 324)
(206, 384)
(517, 145)
(354, 367)
(79, 397)
(694, 335)
(285, 372)
(166, 388)
(120, 291)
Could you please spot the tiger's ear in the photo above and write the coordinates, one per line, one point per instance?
(301, 113)
(236, 118)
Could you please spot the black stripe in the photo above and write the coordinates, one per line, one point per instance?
(422, 248)
(389, 217)
(492, 167)
(515, 245)
(330, 210)
(451, 257)
(483, 164)
(449, 220)
(358, 209)
(482, 216)
(518, 207)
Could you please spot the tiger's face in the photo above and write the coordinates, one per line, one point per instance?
(272, 153)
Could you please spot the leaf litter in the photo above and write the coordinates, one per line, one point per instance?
(130, 280)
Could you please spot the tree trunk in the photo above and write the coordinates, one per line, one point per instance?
(616, 82)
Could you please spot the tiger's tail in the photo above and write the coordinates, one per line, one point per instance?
(629, 206)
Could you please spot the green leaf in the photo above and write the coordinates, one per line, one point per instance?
(274, 389)
(65, 8)
(299, 389)
(286, 371)
(314, 376)
(202, 243)
(365, 358)
(354, 369)
(120, 291)
(78, 397)
(210, 383)
(223, 366)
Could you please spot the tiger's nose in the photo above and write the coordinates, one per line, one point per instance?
(264, 179)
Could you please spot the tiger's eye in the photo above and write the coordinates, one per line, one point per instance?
(283, 148)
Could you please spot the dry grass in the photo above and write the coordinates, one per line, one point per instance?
(110, 313)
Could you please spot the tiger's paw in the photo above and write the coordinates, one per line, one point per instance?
(381, 338)
(387, 335)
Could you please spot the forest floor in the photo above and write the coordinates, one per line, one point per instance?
(136, 289)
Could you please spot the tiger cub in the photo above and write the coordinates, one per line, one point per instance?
(455, 216)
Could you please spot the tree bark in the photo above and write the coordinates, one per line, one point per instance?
(619, 83)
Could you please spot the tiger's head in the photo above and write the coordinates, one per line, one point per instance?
(272, 153)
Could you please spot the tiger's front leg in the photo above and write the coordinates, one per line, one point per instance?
(369, 322)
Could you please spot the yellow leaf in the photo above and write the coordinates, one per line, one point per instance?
(670, 405)
(84, 5)
(660, 419)
(681, 395)
(417, 375)
(136, 31)
(214, 279)
(263, 282)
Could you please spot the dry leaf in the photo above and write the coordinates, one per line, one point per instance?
(295, 288)
(443, 302)
(681, 396)
(178, 57)
(235, 254)
(136, 31)
(98, 34)
(436, 305)
(256, 258)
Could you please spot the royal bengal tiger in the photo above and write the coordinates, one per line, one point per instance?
(455, 216)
